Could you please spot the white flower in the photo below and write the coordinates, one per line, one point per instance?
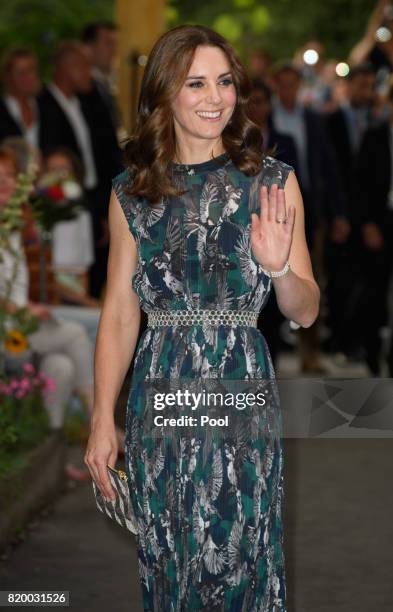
(72, 190)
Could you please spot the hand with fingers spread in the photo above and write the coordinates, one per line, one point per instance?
(272, 230)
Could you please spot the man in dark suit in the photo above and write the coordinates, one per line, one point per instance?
(74, 115)
(8, 125)
(101, 39)
(318, 173)
(347, 125)
(350, 120)
(18, 108)
(282, 147)
(260, 111)
(374, 193)
(319, 181)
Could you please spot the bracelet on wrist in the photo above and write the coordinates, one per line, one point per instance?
(276, 274)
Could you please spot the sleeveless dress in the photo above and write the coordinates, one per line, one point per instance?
(209, 512)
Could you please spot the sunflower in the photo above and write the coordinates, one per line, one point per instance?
(15, 341)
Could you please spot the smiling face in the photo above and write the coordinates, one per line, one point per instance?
(206, 101)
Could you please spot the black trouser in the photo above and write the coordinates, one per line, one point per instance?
(377, 267)
(345, 289)
(98, 201)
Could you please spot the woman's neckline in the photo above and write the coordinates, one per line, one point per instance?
(210, 164)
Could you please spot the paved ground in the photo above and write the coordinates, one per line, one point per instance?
(338, 536)
(75, 548)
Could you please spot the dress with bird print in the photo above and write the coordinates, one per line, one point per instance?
(209, 511)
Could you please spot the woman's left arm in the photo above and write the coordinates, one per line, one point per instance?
(297, 292)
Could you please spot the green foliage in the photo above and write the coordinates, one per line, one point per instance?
(24, 321)
(77, 421)
(24, 423)
(228, 26)
(279, 26)
(40, 24)
(76, 427)
(24, 418)
(11, 220)
(48, 213)
(11, 217)
(11, 476)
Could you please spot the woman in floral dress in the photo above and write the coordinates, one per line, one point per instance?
(199, 228)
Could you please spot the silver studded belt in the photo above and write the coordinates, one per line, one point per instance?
(158, 318)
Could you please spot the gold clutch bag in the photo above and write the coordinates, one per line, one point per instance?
(119, 510)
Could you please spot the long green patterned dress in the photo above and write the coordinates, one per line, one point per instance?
(210, 533)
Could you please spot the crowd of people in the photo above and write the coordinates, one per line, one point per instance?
(70, 125)
(336, 132)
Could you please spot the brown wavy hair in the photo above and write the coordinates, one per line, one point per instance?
(151, 149)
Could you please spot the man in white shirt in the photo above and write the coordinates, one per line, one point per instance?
(74, 116)
(19, 114)
(65, 123)
(72, 109)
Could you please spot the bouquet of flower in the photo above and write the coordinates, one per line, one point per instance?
(57, 197)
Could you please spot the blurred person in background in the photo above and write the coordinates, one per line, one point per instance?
(24, 151)
(73, 250)
(376, 46)
(65, 124)
(72, 240)
(260, 111)
(315, 90)
(19, 114)
(73, 247)
(348, 123)
(259, 64)
(374, 193)
(63, 344)
(345, 279)
(76, 117)
(336, 84)
(283, 148)
(101, 39)
(65, 351)
(319, 180)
